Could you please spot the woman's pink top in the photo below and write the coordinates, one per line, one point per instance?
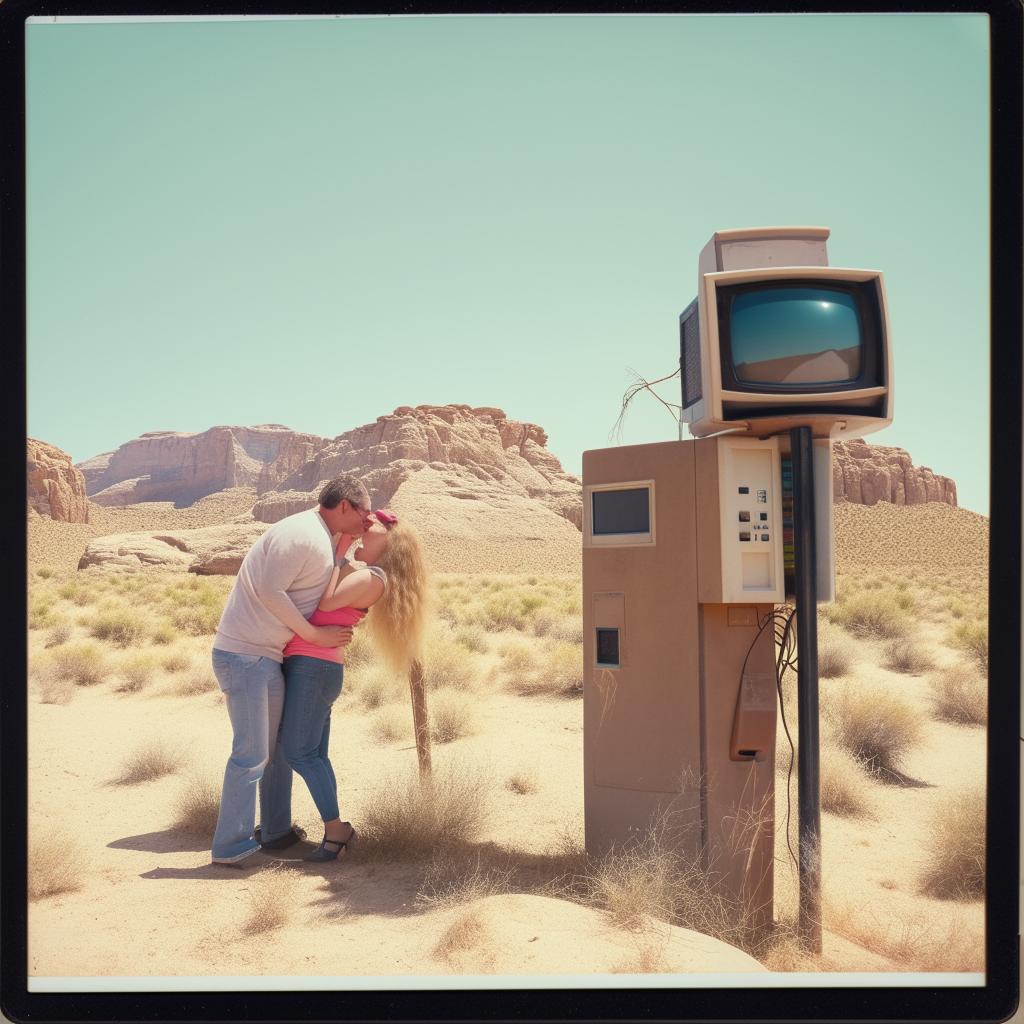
(338, 617)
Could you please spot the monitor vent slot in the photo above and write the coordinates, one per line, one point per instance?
(689, 354)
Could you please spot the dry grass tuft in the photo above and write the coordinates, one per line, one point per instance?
(915, 943)
(271, 900)
(163, 634)
(959, 695)
(522, 782)
(843, 784)
(54, 865)
(972, 638)
(404, 818)
(451, 881)
(375, 686)
(152, 760)
(54, 689)
(873, 615)
(176, 660)
(198, 681)
(446, 663)
(904, 655)
(59, 635)
(450, 716)
(197, 806)
(648, 958)
(136, 673)
(120, 626)
(392, 723)
(467, 932)
(875, 726)
(835, 653)
(957, 844)
(83, 663)
(198, 619)
(548, 669)
(472, 637)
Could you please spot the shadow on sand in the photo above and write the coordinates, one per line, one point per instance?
(168, 841)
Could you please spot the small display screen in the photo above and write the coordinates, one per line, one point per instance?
(795, 336)
(608, 647)
(623, 511)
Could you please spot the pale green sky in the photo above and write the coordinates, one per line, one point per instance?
(311, 222)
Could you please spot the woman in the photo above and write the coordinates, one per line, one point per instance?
(391, 579)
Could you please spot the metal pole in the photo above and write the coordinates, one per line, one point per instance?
(420, 721)
(808, 774)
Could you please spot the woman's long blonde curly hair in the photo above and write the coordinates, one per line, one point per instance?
(396, 622)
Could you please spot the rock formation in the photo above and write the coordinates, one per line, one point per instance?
(208, 550)
(178, 467)
(865, 474)
(55, 487)
(473, 454)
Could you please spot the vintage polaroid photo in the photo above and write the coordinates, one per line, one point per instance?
(437, 427)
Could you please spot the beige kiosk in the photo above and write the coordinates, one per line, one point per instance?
(688, 548)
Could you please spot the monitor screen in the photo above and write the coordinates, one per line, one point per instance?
(625, 510)
(795, 335)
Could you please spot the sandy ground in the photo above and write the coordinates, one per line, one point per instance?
(148, 901)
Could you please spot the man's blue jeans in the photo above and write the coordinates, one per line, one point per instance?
(312, 685)
(254, 693)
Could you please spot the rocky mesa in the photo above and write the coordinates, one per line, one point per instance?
(865, 474)
(183, 467)
(55, 487)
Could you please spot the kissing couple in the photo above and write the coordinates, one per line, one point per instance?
(279, 658)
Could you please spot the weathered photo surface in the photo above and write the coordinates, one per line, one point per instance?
(448, 256)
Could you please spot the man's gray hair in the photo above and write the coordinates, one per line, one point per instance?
(344, 488)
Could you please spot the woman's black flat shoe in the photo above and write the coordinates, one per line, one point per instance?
(331, 849)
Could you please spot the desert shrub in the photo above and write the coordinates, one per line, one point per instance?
(972, 637)
(472, 637)
(197, 681)
(558, 626)
(843, 783)
(176, 660)
(54, 689)
(554, 669)
(151, 760)
(835, 653)
(523, 782)
(54, 865)
(408, 818)
(197, 619)
(359, 653)
(958, 694)
(375, 686)
(451, 717)
(446, 663)
(956, 868)
(59, 635)
(135, 673)
(197, 806)
(44, 573)
(877, 616)
(875, 726)
(392, 723)
(956, 607)
(83, 663)
(904, 655)
(163, 633)
(654, 879)
(120, 626)
(40, 613)
(453, 879)
(271, 900)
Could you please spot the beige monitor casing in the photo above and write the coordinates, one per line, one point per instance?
(776, 253)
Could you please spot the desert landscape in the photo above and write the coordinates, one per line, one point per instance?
(484, 872)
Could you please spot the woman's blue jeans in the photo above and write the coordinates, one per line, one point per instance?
(312, 685)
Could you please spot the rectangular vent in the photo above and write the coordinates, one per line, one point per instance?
(689, 354)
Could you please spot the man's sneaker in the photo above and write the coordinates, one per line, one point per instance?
(290, 838)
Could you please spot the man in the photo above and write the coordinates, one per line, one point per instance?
(279, 584)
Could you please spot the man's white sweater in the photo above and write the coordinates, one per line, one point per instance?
(279, 584)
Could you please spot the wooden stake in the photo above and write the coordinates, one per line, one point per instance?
(420, 721)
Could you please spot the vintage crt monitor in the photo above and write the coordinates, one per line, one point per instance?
(777, 338)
